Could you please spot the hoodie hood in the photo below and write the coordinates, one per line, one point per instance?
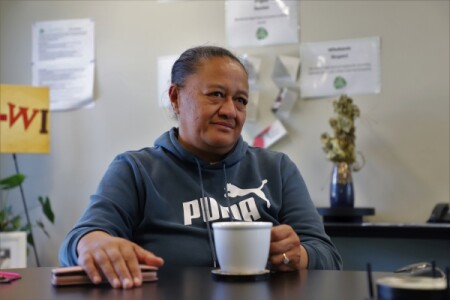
(169, 141)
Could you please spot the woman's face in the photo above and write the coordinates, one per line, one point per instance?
(210, 107)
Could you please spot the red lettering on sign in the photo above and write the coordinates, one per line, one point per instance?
(23, 113)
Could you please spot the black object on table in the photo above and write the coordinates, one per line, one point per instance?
(345, 214)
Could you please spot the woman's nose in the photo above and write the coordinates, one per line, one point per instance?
(228, 108)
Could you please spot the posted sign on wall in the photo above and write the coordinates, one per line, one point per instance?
(340, 67)
(24, 119)
(261, 23)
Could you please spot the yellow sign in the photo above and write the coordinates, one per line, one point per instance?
(24, 119)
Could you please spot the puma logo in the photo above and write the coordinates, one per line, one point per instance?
(234, 191)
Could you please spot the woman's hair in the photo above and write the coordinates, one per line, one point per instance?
(189, 60)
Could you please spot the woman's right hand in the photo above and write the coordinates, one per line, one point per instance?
(116, 258)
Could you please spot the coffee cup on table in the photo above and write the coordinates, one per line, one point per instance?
(242, 247)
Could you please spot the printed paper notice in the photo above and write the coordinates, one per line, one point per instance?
(269, 135)
(340, 67)
(260, 23)
(63, 60)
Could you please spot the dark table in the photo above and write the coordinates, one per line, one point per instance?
(197, 284)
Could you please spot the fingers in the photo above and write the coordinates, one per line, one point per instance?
(116, 265)
(148, 258)
(87, 263)
(141, 256)
(107, 267)
(115, 258)
(285, 249)
(287, 261)
(105, 257)
(282, 239)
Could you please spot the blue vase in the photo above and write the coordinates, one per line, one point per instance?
(341, 187)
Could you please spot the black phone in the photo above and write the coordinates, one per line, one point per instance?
(440, 214)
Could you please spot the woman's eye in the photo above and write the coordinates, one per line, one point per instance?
(242, 100)
(217, 94)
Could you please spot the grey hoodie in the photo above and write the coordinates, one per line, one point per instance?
(157, 197)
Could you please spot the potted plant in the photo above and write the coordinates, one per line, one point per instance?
(11, 221)
(340, 149)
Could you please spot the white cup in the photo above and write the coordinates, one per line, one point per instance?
(242, 247)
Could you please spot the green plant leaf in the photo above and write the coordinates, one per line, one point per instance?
(2, 218)
(42, 226)
(11, 181)
(30, 239)
(9, 223)
(47, 208)
(15, 222)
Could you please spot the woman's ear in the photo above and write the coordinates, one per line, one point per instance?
(174, 98)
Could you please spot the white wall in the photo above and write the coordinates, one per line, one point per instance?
(403, 131)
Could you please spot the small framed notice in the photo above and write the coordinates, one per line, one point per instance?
(13, 250)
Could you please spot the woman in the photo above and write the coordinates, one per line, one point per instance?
(156, 205)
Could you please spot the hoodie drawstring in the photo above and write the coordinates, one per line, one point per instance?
(208, 225)
(226, 194)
